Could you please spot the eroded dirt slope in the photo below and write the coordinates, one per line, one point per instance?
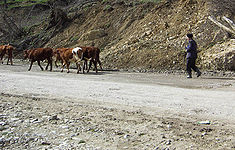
(131, 34)
(145, 35)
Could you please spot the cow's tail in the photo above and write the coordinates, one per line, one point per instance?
(51, 52)
(98, 58)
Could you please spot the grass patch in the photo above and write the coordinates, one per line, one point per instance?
(22, 3)
(105, 1)
(87, 6)
(75, 38)
(210, 45)
(108, 8)
(153, 1)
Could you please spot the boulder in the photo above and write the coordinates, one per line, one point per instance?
(93, 34)
(220, 57)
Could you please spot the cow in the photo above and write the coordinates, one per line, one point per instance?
(6, 49)
(39, 54)
(69, 55)
(92, 54)
(56, 55)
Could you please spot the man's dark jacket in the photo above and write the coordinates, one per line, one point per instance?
(191, 49)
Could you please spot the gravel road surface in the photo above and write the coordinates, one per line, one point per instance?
(154, 95)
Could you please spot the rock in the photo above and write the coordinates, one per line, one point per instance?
(168, 126)
(46, 143)
(16, 139)
(204, 122)
(2, 123)
(34, 120)
(81, 141)
(53, 118)
(65, 127)
(54, 132)
(168, 142)
(93, 34)
(66, 120)
(73, 135)
(126, 136)
(2, 141)
(163, 136)
(3, 128)
(204, 133)
(14, 119)
(29, 139)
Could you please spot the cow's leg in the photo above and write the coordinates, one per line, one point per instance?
(40, 65)
(30, 66)
(67, 64)
(95, 64)
(90, 63)
(11, 56)
(56, 63)
(47, 64)
(100, 64)
(51, 64)
(62, 67)
(85, 63)
(78, 67)
(11, 60)
(8, 60)
(1, 59)
(83, 67)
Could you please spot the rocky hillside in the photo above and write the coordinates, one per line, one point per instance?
(143, 35)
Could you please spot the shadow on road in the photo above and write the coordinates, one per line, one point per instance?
(218, 78)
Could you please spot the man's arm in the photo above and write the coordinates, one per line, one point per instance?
(189, 47)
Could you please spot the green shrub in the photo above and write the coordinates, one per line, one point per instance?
(75, 38)
(22, 3)
(104, 1)
(108, 7)
(154, 1)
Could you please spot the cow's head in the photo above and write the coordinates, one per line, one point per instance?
(9, 47)
(26, 54)
(77, 51)
(55, 52)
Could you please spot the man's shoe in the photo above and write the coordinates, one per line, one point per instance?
(189, 76)
(199, 74)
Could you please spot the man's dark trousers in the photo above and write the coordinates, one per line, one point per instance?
(191, 65)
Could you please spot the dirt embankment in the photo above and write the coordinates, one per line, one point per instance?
(133, 34)
(145, 36)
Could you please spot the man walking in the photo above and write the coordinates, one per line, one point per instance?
(191, 56)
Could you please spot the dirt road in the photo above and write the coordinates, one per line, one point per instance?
(135, 110)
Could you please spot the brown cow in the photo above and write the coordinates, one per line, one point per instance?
(92, 54)
(6, 49)
(69, 55)
(39, 54)
(56, 55)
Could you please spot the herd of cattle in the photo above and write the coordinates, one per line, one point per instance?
(64, 55)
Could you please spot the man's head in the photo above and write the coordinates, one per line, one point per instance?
(190, 35)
